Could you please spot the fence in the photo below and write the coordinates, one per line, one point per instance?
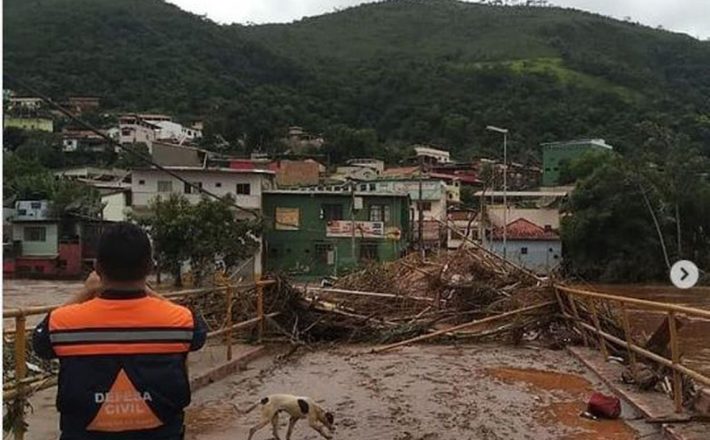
(22, 386)
(573, 302)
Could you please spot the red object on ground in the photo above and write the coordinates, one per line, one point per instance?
(607, 407)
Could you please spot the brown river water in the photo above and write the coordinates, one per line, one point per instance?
(695, 333)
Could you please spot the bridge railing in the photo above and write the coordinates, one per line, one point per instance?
(21, 386)
(573, 301)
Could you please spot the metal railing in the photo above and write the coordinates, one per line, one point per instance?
(22, 386)
(570, 301)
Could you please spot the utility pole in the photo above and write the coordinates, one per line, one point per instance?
(505, 195)
(352, 222)
(420, 207)
(504, 131)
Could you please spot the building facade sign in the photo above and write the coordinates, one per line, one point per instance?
(344, 229)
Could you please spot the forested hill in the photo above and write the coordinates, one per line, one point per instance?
(377, 76)
(144, 54)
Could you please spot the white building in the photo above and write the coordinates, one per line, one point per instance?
(463, 228)
(375, 164)
(177, 133)
(547, 218)
(245, 186)
(116, 205)
(25, 102)
(133, 129)
(432, 155)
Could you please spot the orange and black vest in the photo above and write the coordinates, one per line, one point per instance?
(122, 368)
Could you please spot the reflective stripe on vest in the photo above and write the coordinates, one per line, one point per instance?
(120, 335)
(135, 326)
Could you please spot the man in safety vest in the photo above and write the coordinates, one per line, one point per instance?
(122, 348)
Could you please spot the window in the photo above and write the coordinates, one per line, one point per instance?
(373, 187)
(191, 189)
(35, 233)
(21, 212)
(548, 228)
(244, 188)
(218, 184)
(368, 251)
(141, 182)
(324, 253)
(126, 131)
(286, 219)
(363, 187)
(35, 205)
(524, 251)
(165, 186)
(331, 211)
(380, 213)
(426, 206)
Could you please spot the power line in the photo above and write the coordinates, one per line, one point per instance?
(125, 148)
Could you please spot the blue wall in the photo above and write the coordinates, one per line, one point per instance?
(542, 255)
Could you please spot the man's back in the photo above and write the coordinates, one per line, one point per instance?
(122, 368)
(122, 349)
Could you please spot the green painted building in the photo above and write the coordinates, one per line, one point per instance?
(309, 233)
(554, 154)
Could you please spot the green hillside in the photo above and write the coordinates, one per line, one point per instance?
(376, 77)
(134, 53)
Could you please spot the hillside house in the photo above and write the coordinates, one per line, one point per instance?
(38, 123)
(432, 156)
(529, 245)
(246, 186)
(309, 232)
(45, 246)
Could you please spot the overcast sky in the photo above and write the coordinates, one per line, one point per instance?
(689, 16)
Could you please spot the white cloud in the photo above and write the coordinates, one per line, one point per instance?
(688, 16)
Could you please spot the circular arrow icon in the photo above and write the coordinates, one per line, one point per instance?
(684, 274)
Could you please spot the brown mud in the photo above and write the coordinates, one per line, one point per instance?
(421, 392)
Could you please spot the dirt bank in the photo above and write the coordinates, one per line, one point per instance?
(422, 392)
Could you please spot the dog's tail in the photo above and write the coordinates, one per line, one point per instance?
(249, 409)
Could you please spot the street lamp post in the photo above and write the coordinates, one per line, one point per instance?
(504, 131)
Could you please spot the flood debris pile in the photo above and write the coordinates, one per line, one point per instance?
(415, 296)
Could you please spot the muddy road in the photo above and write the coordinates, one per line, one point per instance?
(420, 393)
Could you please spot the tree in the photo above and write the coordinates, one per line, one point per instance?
(199, 234)
(629, 219)
(583, 166)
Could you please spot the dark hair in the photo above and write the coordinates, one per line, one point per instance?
(124, 253)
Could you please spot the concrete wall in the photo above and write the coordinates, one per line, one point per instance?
(294, 173)
(539, 216)
(176, 156)
(136, 133)
(36, 248)
(145, 185)
(115, 205)
(539, 256)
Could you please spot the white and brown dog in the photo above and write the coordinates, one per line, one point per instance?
(297, 408)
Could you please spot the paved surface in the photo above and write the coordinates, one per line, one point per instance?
(421, 392)
(650, 404)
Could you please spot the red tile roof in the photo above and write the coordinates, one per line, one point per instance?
(522, 229)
